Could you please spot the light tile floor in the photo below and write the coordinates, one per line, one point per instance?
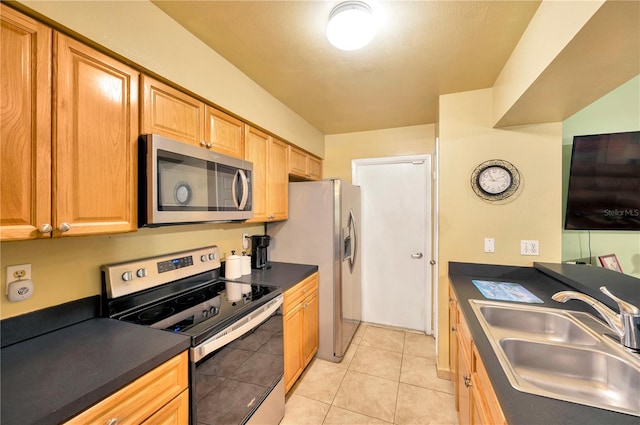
(388, 376)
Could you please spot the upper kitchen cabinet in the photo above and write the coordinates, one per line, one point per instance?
(223, 133)
(304, 166)
(171, 113)
(270, 175)
(25, 125)
(96, 129)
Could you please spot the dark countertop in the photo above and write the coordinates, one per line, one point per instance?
(284, 275)
(53, 377)
(58, 361)
(521, 408)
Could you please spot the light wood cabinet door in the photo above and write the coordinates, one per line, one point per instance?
(292, 330)
(297, 162)
(310, 327)
(96, 129)
(171, 113)
(315, 168)
(270, 175)
(223, 133)
(256, 150)
(453, 341)
(144, 397)
(303, 165)
(277, 181)
(25, 126)
(463, 382)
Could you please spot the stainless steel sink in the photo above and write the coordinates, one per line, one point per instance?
(547, 324)
(561, 354)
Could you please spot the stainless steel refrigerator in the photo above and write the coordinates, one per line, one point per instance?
(324, 229)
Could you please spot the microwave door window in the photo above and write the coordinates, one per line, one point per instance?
(182, 183)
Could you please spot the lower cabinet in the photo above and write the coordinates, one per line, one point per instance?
(476, 401)
(159, 397)
(300, 328)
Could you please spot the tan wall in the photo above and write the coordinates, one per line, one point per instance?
(67, 269)
(467, 138)
(141, 32)
(340, 149)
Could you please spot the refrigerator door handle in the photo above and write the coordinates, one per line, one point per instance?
(352, 228)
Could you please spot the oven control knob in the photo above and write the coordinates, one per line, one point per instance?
(212, 256)
(203, 258)
(214, 310)
(127, 276)
(141, 272)
(205, 313)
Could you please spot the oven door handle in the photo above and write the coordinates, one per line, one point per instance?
(236, 330)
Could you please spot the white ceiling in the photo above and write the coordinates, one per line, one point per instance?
(423, 49)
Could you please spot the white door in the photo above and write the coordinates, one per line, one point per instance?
(396, 241)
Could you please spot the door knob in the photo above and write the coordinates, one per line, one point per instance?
(416, 256)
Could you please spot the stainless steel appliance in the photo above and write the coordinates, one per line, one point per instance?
(236, 355)
(259, 245)
(180, 183)
(323, 229)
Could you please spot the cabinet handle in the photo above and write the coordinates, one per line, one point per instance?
(453, 328)
(45, 228)
(112, 421)
(203, 144)
(209, 145)
(64, 227)
(467, 381)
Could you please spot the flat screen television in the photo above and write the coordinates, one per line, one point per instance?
(604, 182)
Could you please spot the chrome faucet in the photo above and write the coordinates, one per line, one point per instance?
(626, 324)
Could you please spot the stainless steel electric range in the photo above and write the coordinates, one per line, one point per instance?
(236, 355)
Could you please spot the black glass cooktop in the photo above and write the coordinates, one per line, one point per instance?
(203, 309)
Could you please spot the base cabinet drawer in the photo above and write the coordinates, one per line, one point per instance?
(158, 392)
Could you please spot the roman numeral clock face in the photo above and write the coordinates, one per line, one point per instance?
(495, 180)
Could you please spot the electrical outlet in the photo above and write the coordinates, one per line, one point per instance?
(19, 283)
(529, 247)
(245, 241)
(20, 272)
(489, 245)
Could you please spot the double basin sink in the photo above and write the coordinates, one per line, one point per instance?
(562, 354)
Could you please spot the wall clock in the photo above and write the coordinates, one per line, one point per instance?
(495, 180)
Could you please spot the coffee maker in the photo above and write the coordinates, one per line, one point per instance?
(259, 244)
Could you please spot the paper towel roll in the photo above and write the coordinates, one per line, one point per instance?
(234, 291)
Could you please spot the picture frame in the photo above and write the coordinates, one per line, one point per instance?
(610, 262)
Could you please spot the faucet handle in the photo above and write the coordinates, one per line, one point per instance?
(625, 307)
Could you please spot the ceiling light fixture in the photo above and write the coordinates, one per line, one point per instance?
(351, 25)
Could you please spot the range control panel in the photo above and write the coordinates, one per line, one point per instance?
(133, 276)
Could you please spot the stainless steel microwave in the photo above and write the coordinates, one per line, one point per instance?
(180, 183)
